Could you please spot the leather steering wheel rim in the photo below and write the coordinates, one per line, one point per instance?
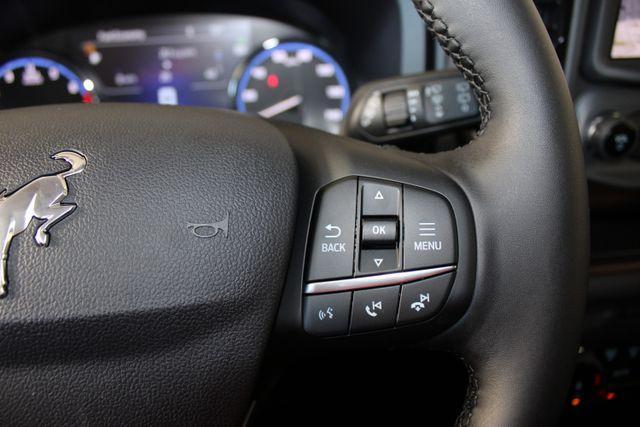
(524, 177)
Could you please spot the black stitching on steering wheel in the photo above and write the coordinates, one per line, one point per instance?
(462, 61)
(471, 397)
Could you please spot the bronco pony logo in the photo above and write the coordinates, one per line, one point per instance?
(40, 199)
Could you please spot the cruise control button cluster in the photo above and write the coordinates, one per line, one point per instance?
(377, 244)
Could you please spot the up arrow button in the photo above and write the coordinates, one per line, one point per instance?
(380, 198)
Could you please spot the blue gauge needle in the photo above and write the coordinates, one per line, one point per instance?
(281, 106)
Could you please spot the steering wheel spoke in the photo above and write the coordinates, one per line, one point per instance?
(518, 198)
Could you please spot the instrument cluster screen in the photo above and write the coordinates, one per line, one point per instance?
(251, 64)
(187, 62)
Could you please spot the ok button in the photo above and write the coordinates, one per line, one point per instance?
(376, 232)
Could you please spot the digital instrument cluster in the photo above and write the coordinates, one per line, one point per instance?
(250, 64)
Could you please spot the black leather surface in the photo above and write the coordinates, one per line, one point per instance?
(127, 317)
(524, 177)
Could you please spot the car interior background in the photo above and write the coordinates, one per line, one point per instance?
(312, 63)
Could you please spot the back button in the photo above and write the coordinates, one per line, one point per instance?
(332, 245)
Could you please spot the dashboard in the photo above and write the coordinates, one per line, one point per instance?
(250, 64)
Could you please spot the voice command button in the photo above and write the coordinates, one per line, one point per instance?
(327, 315)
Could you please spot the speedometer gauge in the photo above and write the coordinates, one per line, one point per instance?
(36, 80)
(296, 82)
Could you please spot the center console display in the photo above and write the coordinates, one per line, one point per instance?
(612, 50)
(626, 39)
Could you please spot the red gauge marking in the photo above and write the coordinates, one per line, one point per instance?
(273, 81)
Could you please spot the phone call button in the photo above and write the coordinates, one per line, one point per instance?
(374, 309)
(422, 300)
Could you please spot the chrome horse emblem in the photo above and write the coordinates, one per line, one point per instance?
(40, 199)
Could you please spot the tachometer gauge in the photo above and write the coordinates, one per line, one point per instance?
(296, 82)
(36, 80)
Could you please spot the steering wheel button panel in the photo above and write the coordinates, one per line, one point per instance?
(429, 235)
(380, 199)
(332, 250)
(393, 239)
(373, 242)
(374, 309)
(326, 315)
(422, 300)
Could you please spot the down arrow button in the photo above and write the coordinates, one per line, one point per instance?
(378, 261)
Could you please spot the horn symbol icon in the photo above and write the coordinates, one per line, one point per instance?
(208, 231)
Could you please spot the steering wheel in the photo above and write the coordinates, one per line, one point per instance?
(184, 238)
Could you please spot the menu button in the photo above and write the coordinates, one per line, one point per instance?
(430, 238)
